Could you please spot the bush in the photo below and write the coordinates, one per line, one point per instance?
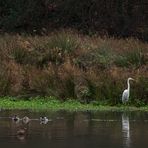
(19, 55)
(5, 82)
(131, 58)
(64, 42)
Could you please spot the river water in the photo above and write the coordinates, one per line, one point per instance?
(74, 130)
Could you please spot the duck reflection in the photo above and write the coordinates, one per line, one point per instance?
(21, 133)
(22, 129)
(126, 130)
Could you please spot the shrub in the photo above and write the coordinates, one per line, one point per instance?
(66, 87)
(65, 42)
(101, 57)
(5, 81)
(131, 58)
(42, 83)
(19, 55)
(140, 90)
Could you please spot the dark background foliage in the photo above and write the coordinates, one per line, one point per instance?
(113, 17)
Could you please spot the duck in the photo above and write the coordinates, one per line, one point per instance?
(43, 120)
(25, 120)
(15, 118)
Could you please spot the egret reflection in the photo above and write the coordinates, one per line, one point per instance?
(126, 130)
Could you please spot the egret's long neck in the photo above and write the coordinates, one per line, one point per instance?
(128, 85)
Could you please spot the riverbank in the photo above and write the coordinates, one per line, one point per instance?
(70, 105)
(67, 64)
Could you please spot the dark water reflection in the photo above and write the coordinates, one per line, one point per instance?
(75, 130)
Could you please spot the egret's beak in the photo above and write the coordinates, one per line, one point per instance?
(133, 80)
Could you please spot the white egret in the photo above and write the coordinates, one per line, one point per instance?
(126, 92)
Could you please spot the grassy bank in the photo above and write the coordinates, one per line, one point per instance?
(70, 105)
(66, 64)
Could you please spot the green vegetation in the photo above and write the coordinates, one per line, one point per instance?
(51, 103)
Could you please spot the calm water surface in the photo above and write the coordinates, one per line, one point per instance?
(74, 130)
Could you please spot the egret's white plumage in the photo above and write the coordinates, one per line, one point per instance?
(126, 92)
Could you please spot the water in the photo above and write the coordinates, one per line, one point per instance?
(75, 130)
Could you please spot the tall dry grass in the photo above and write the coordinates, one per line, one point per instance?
(67, 65)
